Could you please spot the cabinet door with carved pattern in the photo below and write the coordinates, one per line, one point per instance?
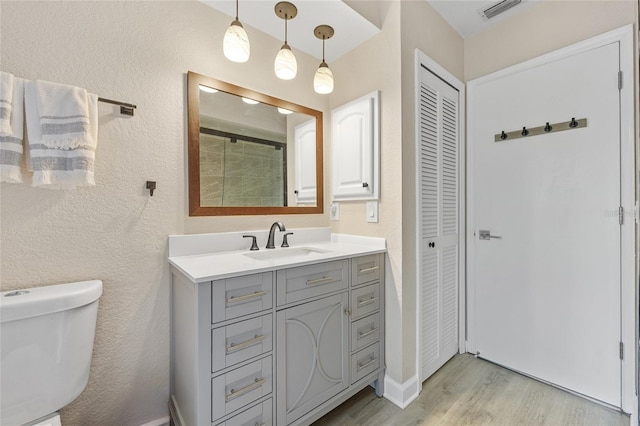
(312, 355)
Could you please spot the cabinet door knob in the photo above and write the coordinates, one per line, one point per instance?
(365, 185)
(347, 312)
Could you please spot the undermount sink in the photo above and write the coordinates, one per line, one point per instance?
(284, 253)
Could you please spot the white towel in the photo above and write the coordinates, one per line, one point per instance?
(6, 102)
(64, 115)
(59, 168)
(11, 151)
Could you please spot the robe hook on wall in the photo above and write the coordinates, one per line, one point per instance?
(540, 130)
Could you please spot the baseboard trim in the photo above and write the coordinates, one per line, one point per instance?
(401, 394)
(163, 421)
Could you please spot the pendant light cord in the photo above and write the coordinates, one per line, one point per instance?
(285, 27)
(236, 10)
(323, 37)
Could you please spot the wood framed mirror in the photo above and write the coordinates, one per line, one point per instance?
(250, 153)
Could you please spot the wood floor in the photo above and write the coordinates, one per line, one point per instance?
(471, 391)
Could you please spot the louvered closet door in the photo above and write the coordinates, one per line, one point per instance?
(438, 180)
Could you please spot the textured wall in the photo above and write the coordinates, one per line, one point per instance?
(385, 62)
(546, 27)
(136, 52)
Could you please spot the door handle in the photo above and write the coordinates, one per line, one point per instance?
(486, 235)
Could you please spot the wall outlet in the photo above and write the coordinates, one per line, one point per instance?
(334, 211)
(372, 211)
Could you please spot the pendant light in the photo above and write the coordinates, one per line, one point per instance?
(236, 43)
(323, 80)
(285, 65)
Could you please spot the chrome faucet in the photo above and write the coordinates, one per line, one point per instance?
(272, 233)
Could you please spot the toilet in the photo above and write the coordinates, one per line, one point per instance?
(46, 342)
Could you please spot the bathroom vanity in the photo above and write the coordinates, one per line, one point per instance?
(278, 336)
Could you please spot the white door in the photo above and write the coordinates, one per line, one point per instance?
(439, 191)
(305, 155)
(547, 292)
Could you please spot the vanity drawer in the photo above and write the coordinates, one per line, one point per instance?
(365, 300)
(240, 387)
(235, 297)
(365, 362)
(365, 331)
(258, 415)
(366, 269)
(238, 342)
(303, 282)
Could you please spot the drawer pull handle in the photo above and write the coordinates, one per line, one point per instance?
(367, 333)
(242, 345)
(262, 424)
(365, 270)
(366, 364)
(234, 299)
(236, 393)
(319, 280)
(367, 302)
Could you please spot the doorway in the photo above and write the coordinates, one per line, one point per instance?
(550, 254)
(440, 215)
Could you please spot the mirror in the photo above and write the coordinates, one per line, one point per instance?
(250, 153)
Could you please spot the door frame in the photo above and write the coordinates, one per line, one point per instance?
(629, 277)
(422, 59)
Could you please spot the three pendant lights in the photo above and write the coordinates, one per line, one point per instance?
(237, 49)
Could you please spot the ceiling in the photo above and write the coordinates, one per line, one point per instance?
(351, 28)
(465, 16)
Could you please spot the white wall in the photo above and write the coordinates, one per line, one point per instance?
(385, 63)
(137, 52)
(546, 27)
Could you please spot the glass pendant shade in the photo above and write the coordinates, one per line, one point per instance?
(285, 65)
(323, 80)
(236, 43)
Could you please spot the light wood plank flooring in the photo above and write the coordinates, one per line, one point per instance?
(471, 391)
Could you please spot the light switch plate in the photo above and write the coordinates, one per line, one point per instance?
(372, 211)
(334, 211)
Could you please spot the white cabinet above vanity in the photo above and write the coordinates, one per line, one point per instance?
(276, 336)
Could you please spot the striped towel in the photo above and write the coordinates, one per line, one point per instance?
(59, 168)
(6, 102)
(11, 143)
(64, 115)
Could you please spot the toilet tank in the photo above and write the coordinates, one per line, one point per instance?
(46, 342)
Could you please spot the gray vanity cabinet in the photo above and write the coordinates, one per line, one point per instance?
(313, 355)
(281, 347)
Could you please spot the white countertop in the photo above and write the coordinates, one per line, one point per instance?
(206, 267)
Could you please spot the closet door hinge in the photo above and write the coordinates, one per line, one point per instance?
(621, 350)
(621, 215)
(619, 80)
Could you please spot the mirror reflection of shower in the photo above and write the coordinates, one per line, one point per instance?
(239, 170)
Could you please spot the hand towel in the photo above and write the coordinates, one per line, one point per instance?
(64, 115)
(59, 168)
(11, 150)
(6, 102)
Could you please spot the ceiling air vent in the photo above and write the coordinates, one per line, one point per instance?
(498, 8)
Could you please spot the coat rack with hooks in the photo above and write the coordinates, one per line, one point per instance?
(540, 130)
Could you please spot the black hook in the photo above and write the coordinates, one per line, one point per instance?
(573, 123)
(525, 132)
(548, 127)
(503, 135)
(151, 186)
